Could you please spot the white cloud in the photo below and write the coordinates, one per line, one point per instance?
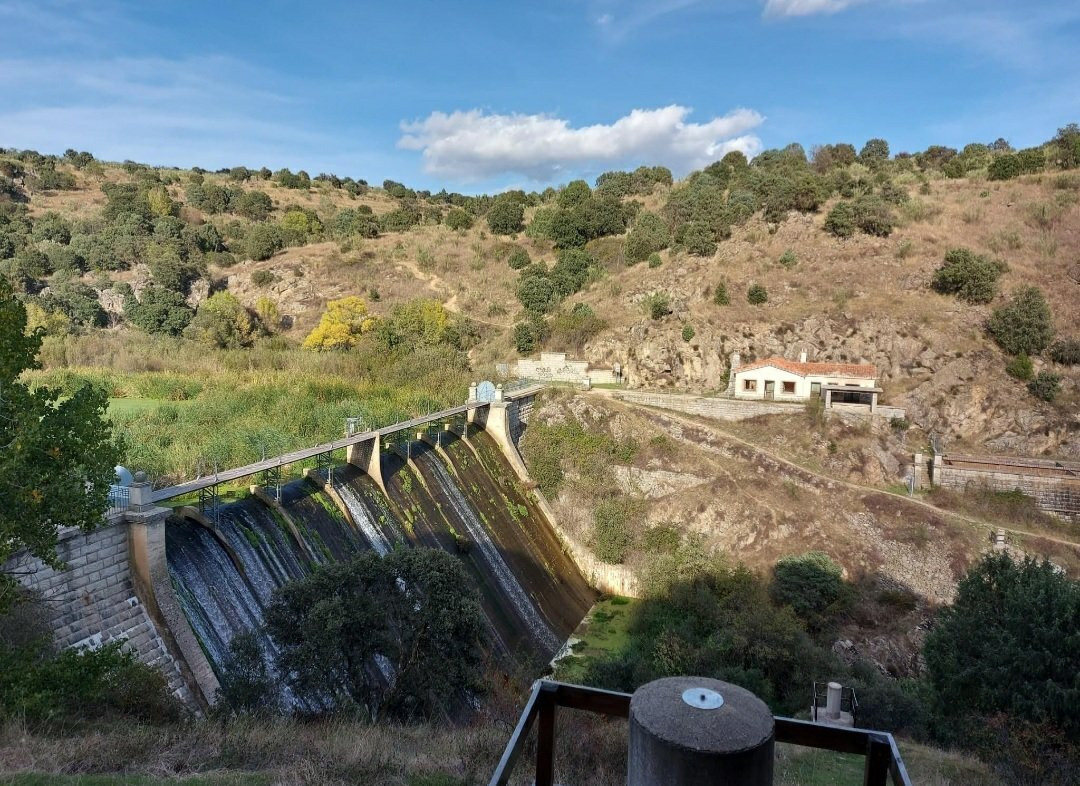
(788, 8)
(474, 145)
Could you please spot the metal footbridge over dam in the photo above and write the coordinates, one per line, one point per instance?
(206, 486)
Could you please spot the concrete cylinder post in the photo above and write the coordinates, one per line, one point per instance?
(472, 392)
(832, 701)
(693, 731)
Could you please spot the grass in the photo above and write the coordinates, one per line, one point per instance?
(224, 779)
(604, 632)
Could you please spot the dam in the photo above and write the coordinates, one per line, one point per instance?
(193, 577)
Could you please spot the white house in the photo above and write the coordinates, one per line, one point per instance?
(780, 379)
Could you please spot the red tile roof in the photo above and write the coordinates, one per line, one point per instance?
(858, 370)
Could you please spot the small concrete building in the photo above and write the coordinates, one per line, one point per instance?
(779, 379)
(557, 367)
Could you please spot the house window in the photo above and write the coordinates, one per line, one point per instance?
(815, 388)
(749, 384)
(789, 387)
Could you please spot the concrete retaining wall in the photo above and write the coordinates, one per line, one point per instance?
(94, 599)
(719, 408)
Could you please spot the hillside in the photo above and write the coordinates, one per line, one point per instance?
(864, 297)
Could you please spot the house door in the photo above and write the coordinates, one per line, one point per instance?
(770, 390)
(815, 389)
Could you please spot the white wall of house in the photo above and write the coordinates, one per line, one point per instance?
(751, 383)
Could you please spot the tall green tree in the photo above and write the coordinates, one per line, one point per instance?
(57, 453)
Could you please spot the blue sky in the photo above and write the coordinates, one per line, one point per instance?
(486, 95)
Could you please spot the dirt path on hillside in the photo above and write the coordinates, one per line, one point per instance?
(712, 427)
(440, 289)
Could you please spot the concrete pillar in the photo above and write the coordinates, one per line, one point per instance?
(873, 403)
(828, 398)
(832, 701)
(367, 456)
(736, 361)
(802, 357)
(917, 467)
(695, 731)
(140, 494)
(500, 395)
(472, 392)
(150, 574)
(935, 472)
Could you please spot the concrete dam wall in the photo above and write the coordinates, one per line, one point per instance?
(180, 584)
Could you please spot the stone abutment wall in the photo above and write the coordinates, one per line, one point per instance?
(1054, 485)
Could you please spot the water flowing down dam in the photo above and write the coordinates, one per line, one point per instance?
(458, 495)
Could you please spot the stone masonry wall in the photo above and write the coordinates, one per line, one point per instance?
(93, 600)
(1057, 495)
(719, 408)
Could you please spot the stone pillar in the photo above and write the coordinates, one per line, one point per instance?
(472, 392)
(499, 394)
(828, 398)
(736, 361)
(935, 471)
(917, 467)
(695, 731)
(873, 403)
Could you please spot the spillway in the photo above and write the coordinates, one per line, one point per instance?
(459, 496)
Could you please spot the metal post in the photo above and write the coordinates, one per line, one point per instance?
(545, 739)
(878, 757)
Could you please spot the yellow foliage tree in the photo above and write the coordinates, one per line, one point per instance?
(342, 324)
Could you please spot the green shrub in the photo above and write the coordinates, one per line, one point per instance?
(505, 216)
(811, 584)
(756, 295)
(971, 277)
(458, 219)
(1045, 386)
(687, 332)
(158, 310)
(654, 261)
(263, 241)
(255, 205)
(613, 529)
(841, 220)
(1024, 325)
(873, 215)
(657, 305)
(788, 259)
(223, 322)
(648, 235)
(263, 278)
(1066, 352)
(524, 338)
(698, 239)
(1020, 367)
(247, 685)
(720, 295)
(518, 259)
(574, 328)
(535, 289)
(1004, 167)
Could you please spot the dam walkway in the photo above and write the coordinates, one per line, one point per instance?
(275, 462)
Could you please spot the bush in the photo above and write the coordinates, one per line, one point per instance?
(263, 278)
(756, 295)
(158, 310)
(687, 332)
(1066, 352)
(971, 277)
(812, 585)
(263, 241)
(1020, 367)
(255, 205)
(698, 239)
(720, 295)
(657, 305)
(458, 219)
(518, 259)
(222, 322)
(1024, 325)
(612, 529)
(524, 338)
(841, 220)
(873, 216)
(341, 325)
(654, 261)
(535, 290)
(573, 329)
(505, 216)
(247, 685)
(648, 235)
(1004, 167)
(1045, 386)
(788, 259)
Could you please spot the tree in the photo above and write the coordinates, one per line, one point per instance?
(971, 277)
(841, 220)
(1067, 146)
(812, 584)
(1009, 644)
(342, 325)
(535, 289)
(756, 295)
(58, 451)
(1004, 167)
(720, 295)
(524, 338)
(518, 259)
(573, 194)
(505, 216)
(649, 235)
(657, 305)
(263, 241)
(158, 310)
(222, 321)
(1024, 324)
(255, 205)
(416, 609)
(874, 153)
(419, 323)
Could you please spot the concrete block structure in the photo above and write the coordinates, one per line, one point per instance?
(557, 367)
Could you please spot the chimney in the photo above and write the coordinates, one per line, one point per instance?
(802, 357)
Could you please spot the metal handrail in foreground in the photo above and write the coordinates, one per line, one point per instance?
(879, 748)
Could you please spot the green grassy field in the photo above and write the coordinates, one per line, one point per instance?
(224, 779)
(603, 632)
